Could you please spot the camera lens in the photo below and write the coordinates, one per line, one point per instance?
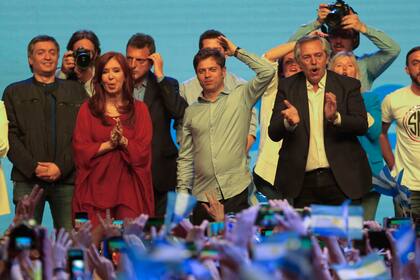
(82, 57)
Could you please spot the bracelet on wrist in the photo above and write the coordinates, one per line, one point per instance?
(235, 54)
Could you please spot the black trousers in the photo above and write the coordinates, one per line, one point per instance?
(266, 188)
(319, 187)
(161, 199)
(234, 204)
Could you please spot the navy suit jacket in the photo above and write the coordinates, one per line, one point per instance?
(346, 157)
(164, 104)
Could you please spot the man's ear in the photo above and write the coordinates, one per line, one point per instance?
(406, 70)
(224, 71)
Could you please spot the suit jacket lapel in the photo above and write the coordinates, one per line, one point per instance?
(330, 87)
(304, 106)
(150, 89)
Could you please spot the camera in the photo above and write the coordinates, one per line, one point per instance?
(82, 58)
(338, 10)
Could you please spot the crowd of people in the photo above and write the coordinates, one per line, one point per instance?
(93, 139)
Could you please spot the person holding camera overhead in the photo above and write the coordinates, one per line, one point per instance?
(42, 113)
(112, 147)
(78, 62)
(343, 27)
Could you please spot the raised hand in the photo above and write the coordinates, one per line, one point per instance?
(352, 21)
(157, 64)
(322, 13)
(60, 242)
(330, 106)
(136, 226)
(215, 209)
(25, 208)
(103, 267)
(230, 47)
(290, 113)
(68, 63)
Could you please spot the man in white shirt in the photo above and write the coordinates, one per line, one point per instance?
(403, 106)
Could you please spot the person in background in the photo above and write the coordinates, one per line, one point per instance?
(4, 147)
(78, 62)
(344, 63)
(346, 37)
(282, 58)
(112, 147)
(403, 107)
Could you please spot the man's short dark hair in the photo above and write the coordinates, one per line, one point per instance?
(141, 40)
(207, 53)
(41, 38)
(209, 34)
(346, 33)
(417, 48)
(84, 34)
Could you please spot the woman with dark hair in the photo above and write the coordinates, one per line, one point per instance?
(112, 147)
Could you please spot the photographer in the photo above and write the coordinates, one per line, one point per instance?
(78, 62)
(345, 36)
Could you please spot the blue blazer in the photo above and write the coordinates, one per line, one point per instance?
(370, 141)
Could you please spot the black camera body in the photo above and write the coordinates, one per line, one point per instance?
(82, 58)
(338, 10)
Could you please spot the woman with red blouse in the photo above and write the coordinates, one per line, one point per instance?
(112, 147)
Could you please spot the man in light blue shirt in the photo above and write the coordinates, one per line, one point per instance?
(212, 155)
(191, 89)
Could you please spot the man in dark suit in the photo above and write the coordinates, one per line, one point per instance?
(161, 95)
(318, 114)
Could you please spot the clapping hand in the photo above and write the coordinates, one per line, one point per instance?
(330, 107)
(290, 114)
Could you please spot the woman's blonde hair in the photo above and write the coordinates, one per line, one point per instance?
(350, 55)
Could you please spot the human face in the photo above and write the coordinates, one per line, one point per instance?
(113, 78)
(44, 58)
(290, 65)
(87, 45)
(313, 61)
(213, 43)
(345, 66)
(139, 62)
(339, 44)
(210, 75)
(413, 68)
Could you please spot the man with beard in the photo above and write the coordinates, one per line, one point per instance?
(403, 106)
(347, 38)
(319, 114)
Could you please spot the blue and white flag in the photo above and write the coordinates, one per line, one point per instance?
(371, 267)
(344, 221)
(286, 250)
(179, 207)
(388, 185)
(405, 238)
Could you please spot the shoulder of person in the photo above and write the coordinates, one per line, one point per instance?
(292, 80)
(19, 85)
(350, 82)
